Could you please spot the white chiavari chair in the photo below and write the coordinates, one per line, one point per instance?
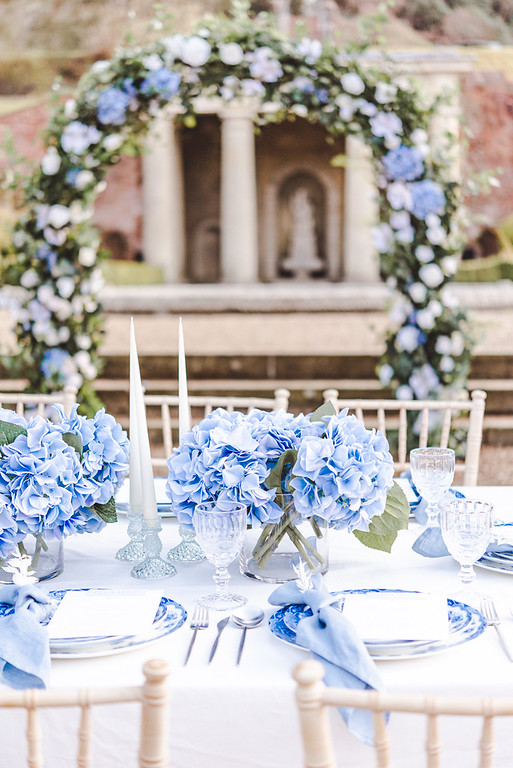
(162, 408)
(152, 695)
(387, 415)
(21, 402)
(313, 699)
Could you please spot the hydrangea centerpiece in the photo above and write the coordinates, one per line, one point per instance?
(334, 467)
(57, 479)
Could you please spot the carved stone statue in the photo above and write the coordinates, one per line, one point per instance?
(302, 255)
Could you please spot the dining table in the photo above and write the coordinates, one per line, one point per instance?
(224, 715)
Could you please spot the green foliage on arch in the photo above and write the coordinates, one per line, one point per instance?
(54, 251)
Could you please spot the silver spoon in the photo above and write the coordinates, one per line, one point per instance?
(247, 617)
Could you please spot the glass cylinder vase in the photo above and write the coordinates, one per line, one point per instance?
(278, 552)
(33, 559)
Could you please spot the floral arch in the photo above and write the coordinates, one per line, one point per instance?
(54, 251)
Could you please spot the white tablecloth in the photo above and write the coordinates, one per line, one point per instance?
(224, 716)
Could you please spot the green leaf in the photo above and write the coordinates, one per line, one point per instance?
(285, 462)
(106, 512)
(383, 528)
(73, 440)
(9, 432)
(326, 409)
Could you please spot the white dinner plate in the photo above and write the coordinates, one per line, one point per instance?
(170, 616)
(501, 562)
(465, 623)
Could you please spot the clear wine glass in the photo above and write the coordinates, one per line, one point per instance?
(220, 527)
(466, 529)
(432, 472)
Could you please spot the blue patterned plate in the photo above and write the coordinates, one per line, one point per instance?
(501, 562)
(465, 623)
(169, 617)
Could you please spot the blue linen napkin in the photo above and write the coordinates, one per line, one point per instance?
(333, 640)
(24, 645)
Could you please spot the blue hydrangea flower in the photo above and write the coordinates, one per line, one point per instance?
(112, 106)
(404, 163)
(53, 363)
(344, 474)
(37, 474)
(161, 82)
(49, 255)
(427, 197)
(105, 454)
(220, 459)
(342, 471)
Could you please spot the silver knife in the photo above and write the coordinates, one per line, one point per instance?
(220, 626)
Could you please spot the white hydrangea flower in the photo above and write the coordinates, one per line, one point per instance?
(51, 162)
(19, 238)
(425, 319)
(424, 253)
(83, 179)
(446, 364)
(70, 109)
(79, 213)
(407, 339)
(392, 141)
(346, 106)
(55, 236)
(195, 51)
(443, 345)
(152, 62)
(383, 237)
(386, 374)
(399, 195)
(367, 108)
(112, 142)
(51, 337)
(99, 66)
(431, 275)
(385, 92)
(29, 279)
(450, 265)
(173, 46)
(310, 49)
(405, 234)
(400, 310)
(300, 110)
(252, 87)
(352, 83)
(404, 392)
(63, 334)
(417, 292)
(83, 341)
(436, 235)
(58, 216)
(231, 54)
(400, 220)
(385, 124)
(435, 307)
(83, 362)
(457, 343)
(448, 297)
(65, 286)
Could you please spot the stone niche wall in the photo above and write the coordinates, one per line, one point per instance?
(290, 156)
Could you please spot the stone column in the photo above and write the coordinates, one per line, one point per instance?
(361, 263)
(163, 222)
(239, 220)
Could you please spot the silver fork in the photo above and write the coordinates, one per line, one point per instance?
(492, 619)
(199, 620)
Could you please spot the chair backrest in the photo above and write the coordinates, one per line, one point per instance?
(162, 411)
(23, 401)
(388, 415)
(313, 698)
(152, 694)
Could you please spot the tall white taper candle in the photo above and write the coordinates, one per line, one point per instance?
(184, 411)
(142, 493)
